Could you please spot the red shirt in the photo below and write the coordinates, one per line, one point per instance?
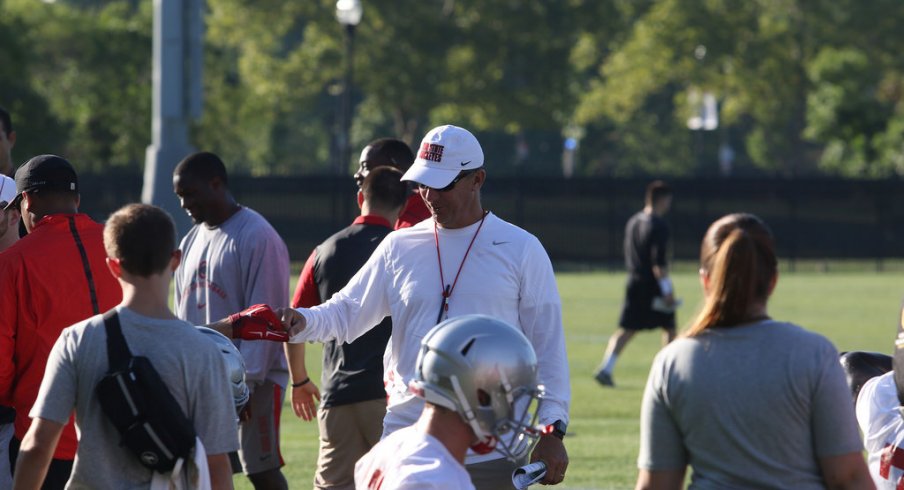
(415, 211)
(44, 289)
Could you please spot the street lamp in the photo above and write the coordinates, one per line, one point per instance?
(348, 12)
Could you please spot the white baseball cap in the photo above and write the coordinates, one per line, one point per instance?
(444, 152)
(7, 190)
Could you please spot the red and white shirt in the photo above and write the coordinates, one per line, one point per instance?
(408, 459)
(882, 423)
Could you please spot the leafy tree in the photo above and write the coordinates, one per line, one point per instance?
(93, 76)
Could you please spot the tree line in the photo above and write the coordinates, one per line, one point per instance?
(799, 88)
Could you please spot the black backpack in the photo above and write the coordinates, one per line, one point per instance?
(138, 403)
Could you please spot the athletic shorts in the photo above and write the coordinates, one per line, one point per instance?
(259, 436)
(637, 313)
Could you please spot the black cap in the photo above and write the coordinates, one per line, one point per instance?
(47, 172)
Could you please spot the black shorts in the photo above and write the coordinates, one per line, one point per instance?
(637, 313)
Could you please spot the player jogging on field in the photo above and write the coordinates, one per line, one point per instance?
(649, 295)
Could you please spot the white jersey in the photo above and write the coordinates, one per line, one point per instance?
(882, 424)
(507, 275)
(408, 459)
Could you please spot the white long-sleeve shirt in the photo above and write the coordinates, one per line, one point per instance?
(507, 275)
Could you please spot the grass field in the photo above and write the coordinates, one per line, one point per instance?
(856, 310)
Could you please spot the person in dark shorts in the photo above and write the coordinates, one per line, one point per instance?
(649, 295)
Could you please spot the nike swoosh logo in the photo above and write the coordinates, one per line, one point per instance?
(201, 306)
(498, 243)
(465, 163)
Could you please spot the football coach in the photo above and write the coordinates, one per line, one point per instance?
(465, 260)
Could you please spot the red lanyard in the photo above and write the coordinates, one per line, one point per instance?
(446, 288)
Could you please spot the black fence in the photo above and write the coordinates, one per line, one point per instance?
(582, 220)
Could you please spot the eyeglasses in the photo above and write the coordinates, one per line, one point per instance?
(463, 174)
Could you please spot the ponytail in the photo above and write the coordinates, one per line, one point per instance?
(738, 254)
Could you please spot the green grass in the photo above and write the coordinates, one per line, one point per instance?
(856, 310)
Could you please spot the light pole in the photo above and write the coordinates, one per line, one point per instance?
(348, 12)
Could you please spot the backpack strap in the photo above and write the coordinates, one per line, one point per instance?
(89, 276)
(118, 353)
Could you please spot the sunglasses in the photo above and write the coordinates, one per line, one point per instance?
(463, 174)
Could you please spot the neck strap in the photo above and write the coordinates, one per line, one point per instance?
(447, 289)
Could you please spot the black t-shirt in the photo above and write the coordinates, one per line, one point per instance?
(646, 239)
(351, 372)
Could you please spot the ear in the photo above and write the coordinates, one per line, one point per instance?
(11, 137)
(217, 183)
(115, 267)
(14, 216)
(175, 260)
(360, 198)
(479, 178)
(772, 284)
(25, 203)
(704, 280)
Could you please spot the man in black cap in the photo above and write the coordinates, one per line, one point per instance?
(53, 277)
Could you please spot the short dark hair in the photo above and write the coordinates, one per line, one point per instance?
(392, 152)
(383, 188)
(6, 120)
(142, 237)
(657, 190)
(203, 165)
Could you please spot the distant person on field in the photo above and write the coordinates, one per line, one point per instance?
(9, 218)
(396, 154)
(9, 234)
(52, 278)
(7, 142)
(646, 247)
(354, 400)
(745, 400)
(140, 241)
(478, 378)
(233, 259)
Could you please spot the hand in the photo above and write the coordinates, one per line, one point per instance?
(245, 413)
(670, 300)
(293, 322)
(303, 401)
(551, 450)
(258, 322)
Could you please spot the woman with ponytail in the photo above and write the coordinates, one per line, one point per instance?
(747, 401)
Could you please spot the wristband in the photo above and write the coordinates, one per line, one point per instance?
(301, 383)
(665, 285)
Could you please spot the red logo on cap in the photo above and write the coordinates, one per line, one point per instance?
(431, 152)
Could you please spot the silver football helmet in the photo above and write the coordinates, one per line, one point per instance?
(485, 370)
(235, 366)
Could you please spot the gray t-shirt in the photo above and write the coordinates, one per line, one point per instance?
(753, 406)
(225, 269)
(189, 363)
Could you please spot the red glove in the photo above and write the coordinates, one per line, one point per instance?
(258, 322)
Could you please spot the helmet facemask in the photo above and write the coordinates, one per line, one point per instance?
(486, 374)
